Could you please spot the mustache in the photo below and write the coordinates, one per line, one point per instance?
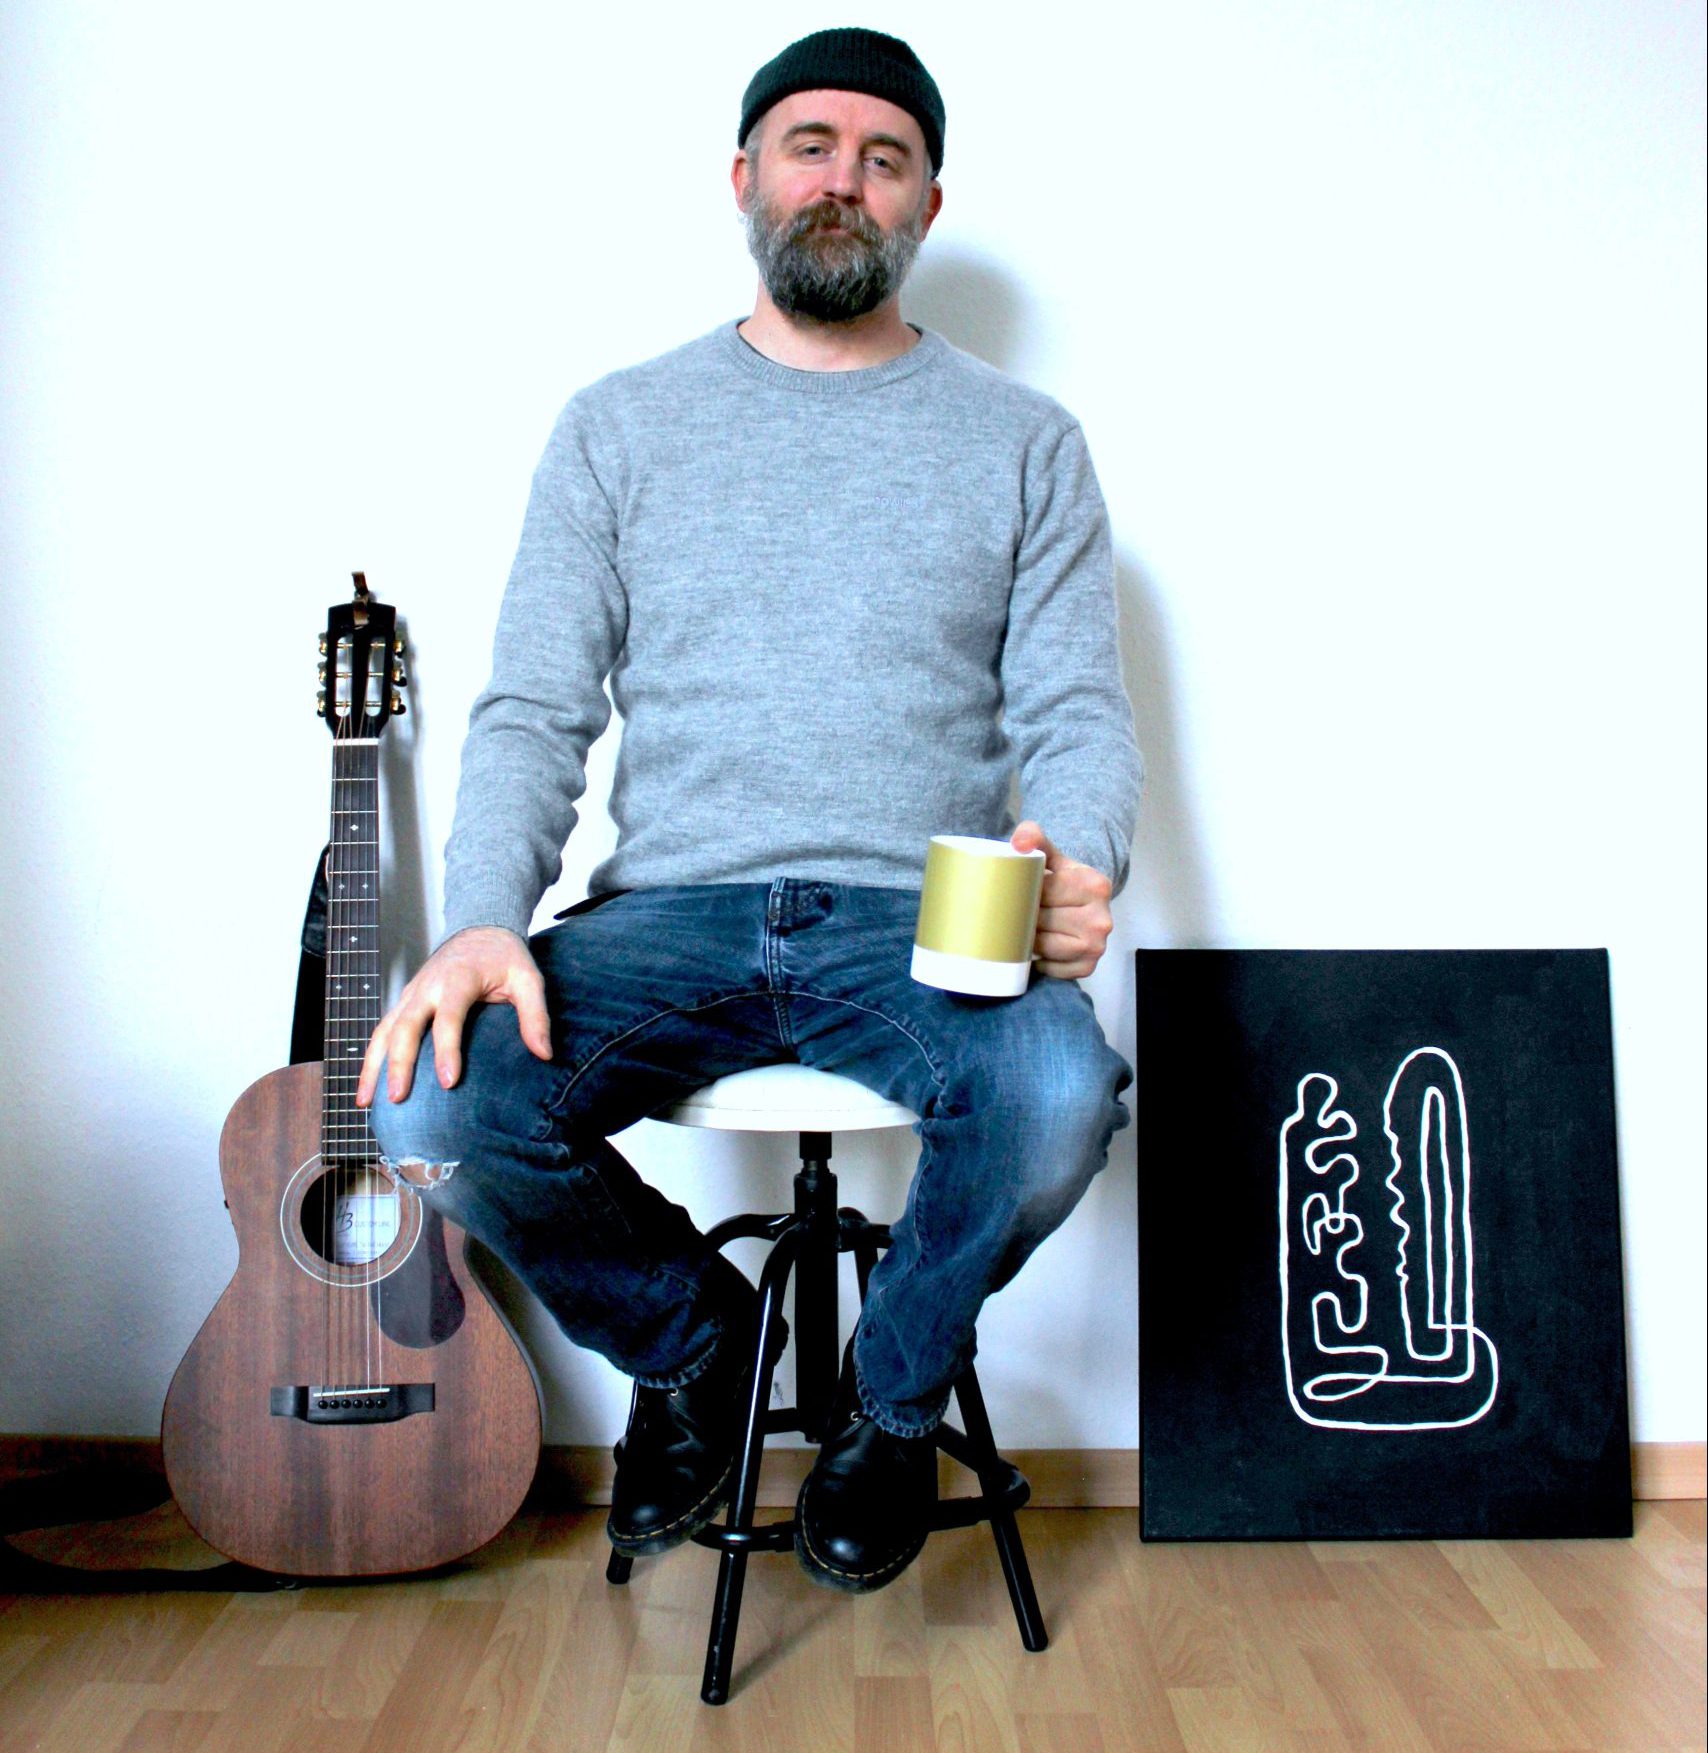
(829, 216)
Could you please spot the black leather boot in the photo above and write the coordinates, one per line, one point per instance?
(865, 1509)
(677, 1455)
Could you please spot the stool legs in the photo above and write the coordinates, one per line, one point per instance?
(817, 1352)
(806, 1242)
(732, 1565)
(1015, 1570)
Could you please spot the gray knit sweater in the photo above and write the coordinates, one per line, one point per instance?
(835, 609)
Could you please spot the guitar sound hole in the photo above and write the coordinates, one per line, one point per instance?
(351, 1214)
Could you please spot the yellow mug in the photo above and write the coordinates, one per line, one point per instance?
(978, 915)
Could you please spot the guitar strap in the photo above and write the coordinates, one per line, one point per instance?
(95, 1494)
(308, 1023)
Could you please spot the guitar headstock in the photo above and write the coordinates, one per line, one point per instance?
(361, 667)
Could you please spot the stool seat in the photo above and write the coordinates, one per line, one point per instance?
(787, 1098)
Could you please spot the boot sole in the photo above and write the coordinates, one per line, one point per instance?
(690, 1522)
(679, 1532)
(848, 1582)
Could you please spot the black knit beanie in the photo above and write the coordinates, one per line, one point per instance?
(850, 60)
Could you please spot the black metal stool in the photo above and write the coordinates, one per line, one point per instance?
(806, 1241)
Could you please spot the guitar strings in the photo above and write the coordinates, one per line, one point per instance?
(353, 1174)
(343, 1125)
(361, 816)
(376, 653)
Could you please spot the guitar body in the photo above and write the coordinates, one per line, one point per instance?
(438, 1436)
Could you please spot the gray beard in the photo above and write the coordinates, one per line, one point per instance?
(829, 278)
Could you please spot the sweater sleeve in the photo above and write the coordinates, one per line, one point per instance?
(561, 628)
(1065, 709)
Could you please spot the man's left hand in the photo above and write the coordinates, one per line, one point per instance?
(1073, 912)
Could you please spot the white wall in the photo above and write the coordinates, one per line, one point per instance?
(1386, 325)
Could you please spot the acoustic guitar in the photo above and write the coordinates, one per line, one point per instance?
(354, 1405)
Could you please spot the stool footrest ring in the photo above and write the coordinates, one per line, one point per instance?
(773, 1537)
(951, 1512)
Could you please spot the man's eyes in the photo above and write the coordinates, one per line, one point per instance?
(813, 149)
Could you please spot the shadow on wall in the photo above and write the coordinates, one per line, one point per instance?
(1170, 886)
(976, 304)
(972, 302)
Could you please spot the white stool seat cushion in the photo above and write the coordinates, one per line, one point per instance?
(787, 1098)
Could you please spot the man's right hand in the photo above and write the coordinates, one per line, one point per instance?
(484, 964)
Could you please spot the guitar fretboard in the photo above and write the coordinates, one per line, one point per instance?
(352, 948)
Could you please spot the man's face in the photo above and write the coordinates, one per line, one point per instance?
(837, 198)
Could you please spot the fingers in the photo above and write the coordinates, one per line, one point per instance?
(1029, 837)
(528, 994)
(372, 1060)
(396, 1043)
(448, 1022)
(1070, 941)
(1065, 958)
(393, 1046)
(403, 1047)
(1082, 930)
(1066, 970)
(479, 964)
(1071, 884)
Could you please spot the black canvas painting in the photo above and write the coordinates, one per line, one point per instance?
(1380, 1290)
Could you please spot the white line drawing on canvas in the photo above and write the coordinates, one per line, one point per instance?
(1380, 1333)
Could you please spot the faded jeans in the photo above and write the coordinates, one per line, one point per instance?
(655, 992)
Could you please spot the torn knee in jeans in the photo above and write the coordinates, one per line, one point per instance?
(418, 1172)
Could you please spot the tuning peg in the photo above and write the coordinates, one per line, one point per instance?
(323, 645)
(321, 671)
(398, 675)
(320, 703)
(397, 642)
(397, 704)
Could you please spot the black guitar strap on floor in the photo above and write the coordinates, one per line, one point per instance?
(111, 1492)
(80, 1496)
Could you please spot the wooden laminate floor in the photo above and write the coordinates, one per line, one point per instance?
(1536, 1645)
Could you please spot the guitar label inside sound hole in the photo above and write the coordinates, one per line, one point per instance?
(348, 1223)
(350, 1215)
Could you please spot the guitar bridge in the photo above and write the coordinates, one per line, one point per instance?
(352, 1405)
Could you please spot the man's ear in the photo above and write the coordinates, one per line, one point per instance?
(933, 206)
(738, 175)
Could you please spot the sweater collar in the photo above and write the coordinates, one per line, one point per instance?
(927, 350)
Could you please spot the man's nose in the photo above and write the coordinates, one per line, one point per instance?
(844, 177)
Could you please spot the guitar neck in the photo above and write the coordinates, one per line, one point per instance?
(352, 947)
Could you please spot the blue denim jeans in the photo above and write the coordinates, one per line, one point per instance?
(655, 992)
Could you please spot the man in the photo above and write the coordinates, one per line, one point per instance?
(838, 575)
